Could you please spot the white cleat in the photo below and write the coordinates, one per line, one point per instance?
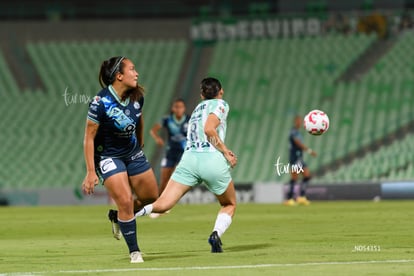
(157, 215)
(154, 215)
(116, 231)
(113, 218)
(136, 257)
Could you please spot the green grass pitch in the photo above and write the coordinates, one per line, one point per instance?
(326, 238)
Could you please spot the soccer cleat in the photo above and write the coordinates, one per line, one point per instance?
(302, 200)
(157, 215)
(290, 202)
(215, 242)
(136, 257)
(113, 217)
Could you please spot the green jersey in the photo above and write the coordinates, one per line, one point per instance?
(196, 138)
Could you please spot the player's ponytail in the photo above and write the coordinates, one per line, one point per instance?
(136, 93)
(210, 87)
(107, 76)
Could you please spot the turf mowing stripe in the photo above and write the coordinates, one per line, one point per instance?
(202, 267)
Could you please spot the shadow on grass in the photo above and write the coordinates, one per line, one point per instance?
(247, 247)
(191, 253)
(159, 256)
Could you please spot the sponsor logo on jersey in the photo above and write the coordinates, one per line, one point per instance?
(137, 155)
(198, 145)
(107, 165)
(200, 108)
(121, 120)
(137, 105)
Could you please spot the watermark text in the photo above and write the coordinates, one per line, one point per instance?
(366, 248)
(75, 98)
(282, 168)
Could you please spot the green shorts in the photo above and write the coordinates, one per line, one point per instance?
(210, 167)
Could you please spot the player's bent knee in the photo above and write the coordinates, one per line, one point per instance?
(125, 204)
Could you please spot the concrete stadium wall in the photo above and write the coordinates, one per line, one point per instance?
(246, 193)
(23, 31)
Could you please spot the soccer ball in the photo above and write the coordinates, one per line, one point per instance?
(316, 122)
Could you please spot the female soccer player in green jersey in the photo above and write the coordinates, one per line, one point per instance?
(206, 159)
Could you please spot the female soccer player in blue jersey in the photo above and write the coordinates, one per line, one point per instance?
(176, 125)
(296, 148)
(206, 159)
(113, 146)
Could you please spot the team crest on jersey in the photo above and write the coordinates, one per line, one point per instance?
(127, 112)
(96, 99)
(137, 105)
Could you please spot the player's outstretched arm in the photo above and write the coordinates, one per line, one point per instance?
(154, 134)
(304, 147)
(210, 129)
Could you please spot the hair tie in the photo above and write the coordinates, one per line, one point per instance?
(116, 67)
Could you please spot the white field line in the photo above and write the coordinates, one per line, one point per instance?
(189, 268)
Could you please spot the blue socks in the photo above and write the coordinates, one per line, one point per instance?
(129, 231)
(291, 189)
(304, 186)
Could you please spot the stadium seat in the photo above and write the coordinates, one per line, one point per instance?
(389, 162)
(266, 82)
(45, 147)
(269, 81)
(9, 84)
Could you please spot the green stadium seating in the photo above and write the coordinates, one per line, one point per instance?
(394, 161)
(7, 81)
(266, 82)
(44, 144)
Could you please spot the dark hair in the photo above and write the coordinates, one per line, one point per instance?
(210, 88)
(107, 76)
(179, 100)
